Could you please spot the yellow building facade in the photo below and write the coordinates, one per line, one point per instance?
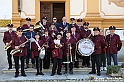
(99, 13)
(88, 10)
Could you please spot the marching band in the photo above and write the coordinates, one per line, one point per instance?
(60, 44)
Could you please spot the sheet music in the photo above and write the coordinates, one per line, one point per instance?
(57, 41)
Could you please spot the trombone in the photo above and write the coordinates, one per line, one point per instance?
(75, 53)
(69, 46)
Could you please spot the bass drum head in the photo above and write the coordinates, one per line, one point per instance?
(85, 47)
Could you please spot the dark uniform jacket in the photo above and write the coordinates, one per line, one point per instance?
(72, 41)
(25, 26)
(79, 29)
(8, 36)
(99, 42)
(47, 40)
(16, 41)
(85, 34)
(45, 26)
(114, 44)
(76, 36)
(35, 51)
(61, 26)
(60, 50)
(51, 33)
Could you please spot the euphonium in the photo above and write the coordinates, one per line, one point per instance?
(14, 51)
(8, 45)
(37, 26)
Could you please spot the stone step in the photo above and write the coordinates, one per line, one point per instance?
(5, 70)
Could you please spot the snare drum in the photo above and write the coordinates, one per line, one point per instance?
(85, 47)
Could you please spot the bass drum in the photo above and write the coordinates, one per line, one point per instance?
(85, 47)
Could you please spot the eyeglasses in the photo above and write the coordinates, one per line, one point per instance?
(19, 31)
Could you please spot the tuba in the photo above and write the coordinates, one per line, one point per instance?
(8, 46)
(15, 51)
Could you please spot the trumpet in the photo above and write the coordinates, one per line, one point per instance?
(15, 51)
(8, 46)
(69, 46)
(58, 45)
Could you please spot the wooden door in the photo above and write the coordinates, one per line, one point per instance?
(46, 9)
(59, 11)
(51, 10)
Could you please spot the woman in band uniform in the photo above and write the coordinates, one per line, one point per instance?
(48, 52)
(52, 31)
(36, 52)
(57, 57)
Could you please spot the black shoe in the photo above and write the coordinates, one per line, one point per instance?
(98, 74)
(71, 72)
(37, 73)
(16, 75)
(23, 75)
(65, 72)
(88, 66)
(41, 73)
(52, 75)
(59, 73)
(76, 66)
(10, 68)
(92, 72)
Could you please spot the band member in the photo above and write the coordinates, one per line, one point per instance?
(30, 34)
(26, 26)
(18, 40)
(7, 39)
(44, 23)
(76, 36)
(56, 23)
(99, 42)
(47, 41)
(103, 57)
(64, 26)
(72, 22)
(36, 51)
(52, 31)
(57, 54)
(38, 28)
(79, 27)
(85, 34)
(69, 49)
(114, 44)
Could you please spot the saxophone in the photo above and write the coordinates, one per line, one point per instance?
(6, 47)
(15, 51)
